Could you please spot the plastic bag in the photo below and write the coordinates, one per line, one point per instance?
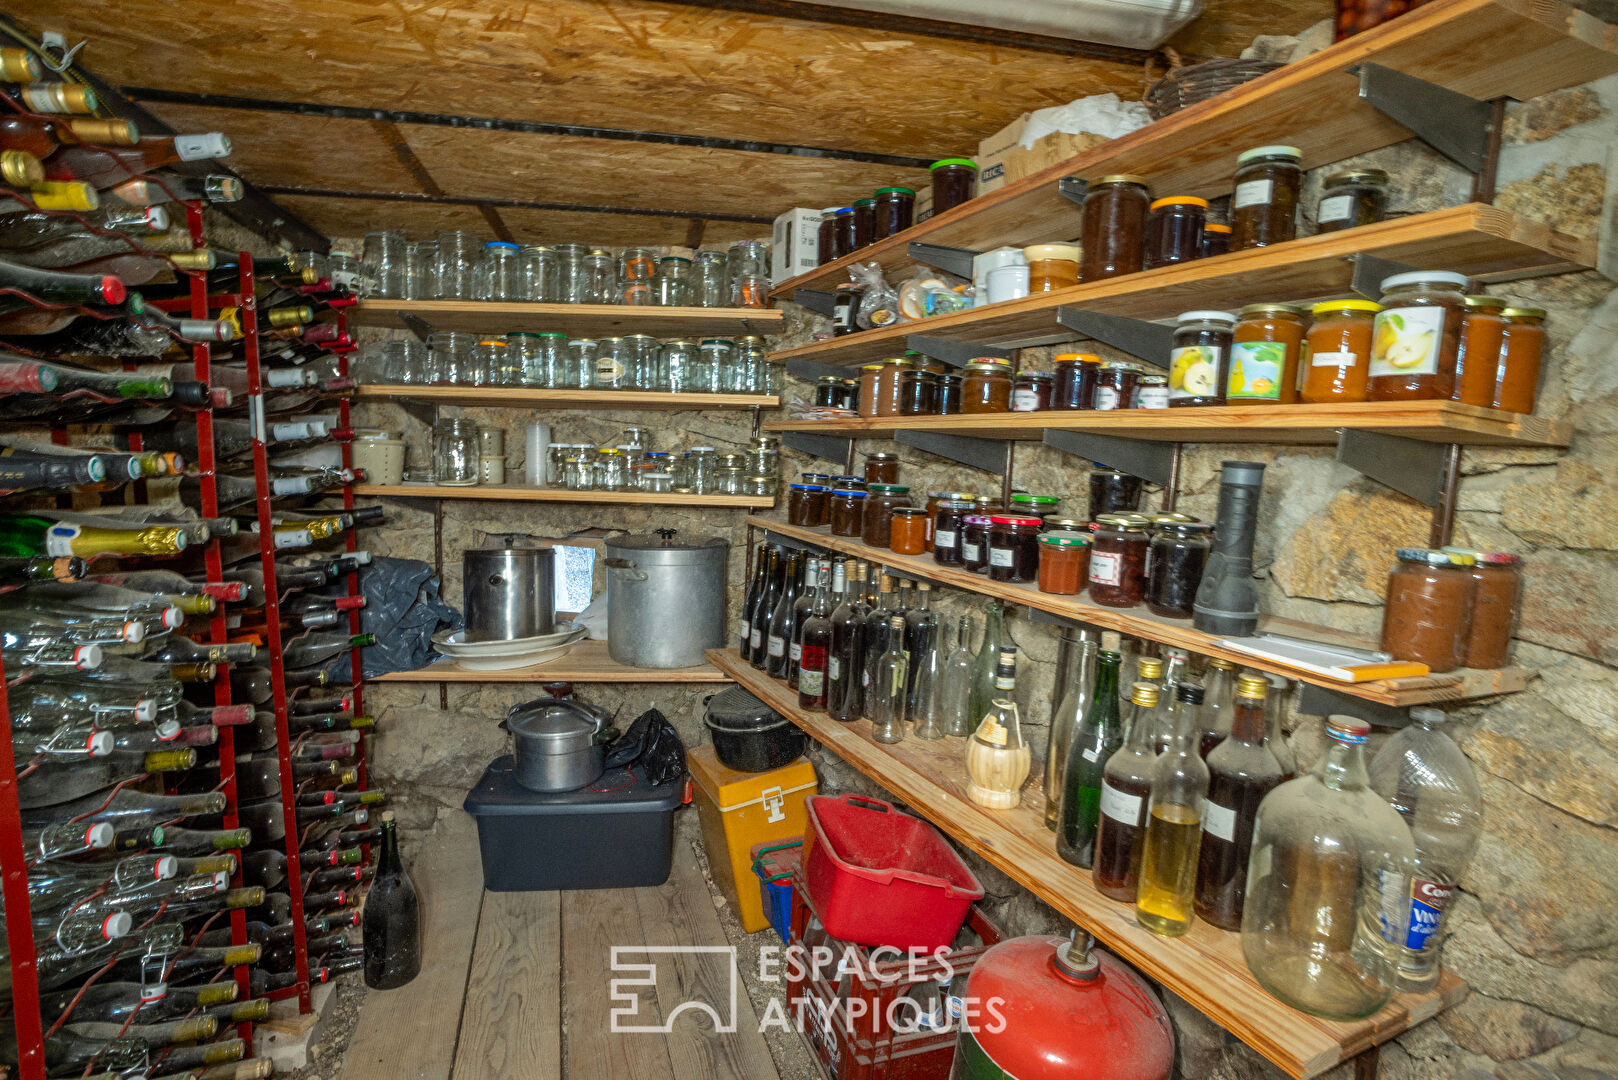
(928, 292)
(1100, 114)
(879, 306)
(652, 745)
(403, 609)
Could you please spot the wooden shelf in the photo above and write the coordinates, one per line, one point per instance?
(1138, 622)
(562, 495)
(1484, 48)
(1430, 421)
(1475, 239)
(522, 397)
(1205, 966)
(579, 320)
(587, 661)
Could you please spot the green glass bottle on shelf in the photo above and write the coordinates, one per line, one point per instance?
(1097, 738)
(987, 662)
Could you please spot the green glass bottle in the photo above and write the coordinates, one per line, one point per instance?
(986, 664)
(1097, 738)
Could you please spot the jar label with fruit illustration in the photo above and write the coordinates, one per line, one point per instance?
(1194, 372)
(1256, 368)
(1406, 340)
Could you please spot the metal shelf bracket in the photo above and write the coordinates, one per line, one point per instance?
(817, 301)
(415, 324)
(1411, 467)
(1153, 461)
(827, 447)
(811, 370)
(1452, 123)
(952, 260)
(990, 455)
(953, 353)
(1073, 188)
(1369, 272)
(1147, 340)
(1323, 701)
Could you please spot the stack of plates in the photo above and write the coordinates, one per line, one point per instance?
(504, 655)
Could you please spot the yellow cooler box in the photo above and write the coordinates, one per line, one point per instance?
(739, 810)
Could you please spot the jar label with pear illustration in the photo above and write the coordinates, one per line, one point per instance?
(1194, 371)
(1256, 370)
(1405, 341)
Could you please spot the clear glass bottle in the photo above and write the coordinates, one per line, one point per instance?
(1095, 740)
(1218, 701)
(955, 685)
(1241, 771)
(926, 687)
(1168, 862)
(885, 698)
(1328, 856)
(997, 757)
(1126, 782)
(987, 662)
(1425, 777)
(1274, 736)
(1072, 702)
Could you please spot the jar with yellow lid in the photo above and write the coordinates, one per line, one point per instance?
(1112, 235)
(865, 396)
(1338, 351)
(1051, 267)
(986, 386)
(1478, 358)
(1521, 347)
(1075, 381)
(1265, 348)
(1174, 230)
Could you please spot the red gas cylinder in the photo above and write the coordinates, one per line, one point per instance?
(1040, 1008)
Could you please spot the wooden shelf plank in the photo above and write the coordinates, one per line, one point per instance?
(1475, 239)
(528, 494)
(487, 317)
(1205, 966)
(525, 397)
(1485, 48)
(588, 661)
(1430, 421)
(1398, 693)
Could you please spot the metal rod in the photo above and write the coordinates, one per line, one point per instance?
(848, 461)
(1171, 490)
(1005, 477)
(1484, 180)
(504, 204)
(1444, 513)
(352, 583)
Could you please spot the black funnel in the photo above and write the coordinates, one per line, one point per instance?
(1227, 599)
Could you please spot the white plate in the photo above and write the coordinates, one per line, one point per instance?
(506, 663)
(453, 643)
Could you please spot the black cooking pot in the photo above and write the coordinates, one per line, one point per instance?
(748, 735)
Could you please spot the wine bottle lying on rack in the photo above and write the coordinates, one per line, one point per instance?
(153, 190)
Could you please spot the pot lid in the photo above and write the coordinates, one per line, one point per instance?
(551, 720)
(665, 540)
(734, 709)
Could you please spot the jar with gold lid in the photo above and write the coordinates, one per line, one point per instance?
(1112, 234)
(986, 386)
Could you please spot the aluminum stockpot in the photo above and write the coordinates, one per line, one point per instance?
(556, 744)
(665, 598)
(508, 593)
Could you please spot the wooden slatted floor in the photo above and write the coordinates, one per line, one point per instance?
(517, 985)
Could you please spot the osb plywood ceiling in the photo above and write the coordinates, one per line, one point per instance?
(606, 122)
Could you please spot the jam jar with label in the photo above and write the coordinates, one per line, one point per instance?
(1013, 548)
(1031, 391)
(1428, 613)
(847, 512)
(1064, 562)
(974, 542)
(948, 520)
(1264, 204)
(846, 307)
(936, 497)
(1477, 361)
(1115, 386)
(1112, 231)
(1075, 381)
(986, 387)
(1179, 550)
(1199, 362)
(1152, 392)
(1118, 560)
(1417, 336)
(1496, 603)
(1350, 199)
(1337, 351)
(1174, 230)
(1522, 344)
(1265, 348)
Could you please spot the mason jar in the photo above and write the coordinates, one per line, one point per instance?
(540, 275)
(449, 356)
(640, 362)
(710, 286)
(637, 270)
(573, 285)
(673, 282)
(601, 276)
(699, 470)
(678, 362)
(610, 365)
(716, 365)
(499, 272)
(612, 470)
(749, 358)
(455, 452)
(489, 363)
(729, 470)
(456, 255)
(579, 369)
(579, 474)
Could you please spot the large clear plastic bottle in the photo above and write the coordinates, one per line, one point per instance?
(1429, 781)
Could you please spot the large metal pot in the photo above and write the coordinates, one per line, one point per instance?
(665, 598)
(557, 745)
(508, 592)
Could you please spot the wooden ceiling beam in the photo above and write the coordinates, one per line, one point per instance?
(511, 204)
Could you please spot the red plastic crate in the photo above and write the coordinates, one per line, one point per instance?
(880, 877)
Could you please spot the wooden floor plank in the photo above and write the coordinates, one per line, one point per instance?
(409, 1033)
(681, 912)
(511, 1024)
(592, 923)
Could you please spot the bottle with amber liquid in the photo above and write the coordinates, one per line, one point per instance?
(1241, 771)
(1217, 704)
(1126, 783)
(1168, 861)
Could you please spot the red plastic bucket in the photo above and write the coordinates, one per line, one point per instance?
(879, 877)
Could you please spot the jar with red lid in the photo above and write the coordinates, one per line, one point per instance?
(1118, 560)
(1013, 548)
(847, 512)
(806, 505)
(907, 530)
(974, 542)
(986, 386)
(1427, 617)
(1496, 603)
(1075, 381)
(1064, 562)
(1174, 230)
(882, 468)
(883, 500)
(1115, 386)
(948, 520)
(1031, 391)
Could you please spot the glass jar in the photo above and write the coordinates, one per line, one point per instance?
(729, 472)
(1350, 199)
(761, 487)
(974, 542)
(931, 506)
(955, 181)
(673, 281)
(842, 226)
(454, 265)
(449, 356)
(879, 506)
(826, 237)
(918, 393)
(527, 354)
(1215, 239)
(579, 368)
(1522, 344)
(490, 366)
(637, 272)
(1026, 504)
(805, 505)
(1427, 617)
(718, 365)
(1339, 351)
(1051, 267)
(847, 512)
(1417, 337)
(895, 210)
(579, 470)
(751, 367)
(889, 380)
(747, 264)
(764, 456)
(948, 519)
(1264, 205)
(1199, 362)
(601, 276)
(612, 470)
(1477, 360)
(711, 283)
(864, 222)
(499, 272)
(574, 284)
(845, 308)
(1013, 548)
(1174, 230)
(907, 530)
(609, 373)
(866, 399)
(1118, 560)
(986, 386)
(1496, 605)
(657, 482)
(881, 468)
(1152, 392)
(828, 392)
(699, 470)
(676, 361)
(541, 276)
(948, 395)
(1064, 562)
(455, 452)
(1178, 553)
(1075, 381)
(1031, 391)
(641, 368)
(1113, 492)
(1112, 233)
(1265, 348)
(1115, 385)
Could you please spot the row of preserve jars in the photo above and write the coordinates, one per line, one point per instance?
(1450, 608)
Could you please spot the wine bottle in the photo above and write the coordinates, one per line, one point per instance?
(182, 841)
(392, 926)
(154, 1035)
(48, 783)
(27, 535)
(31, 230)
(169, 583)
(221, 862)
(63, 841)
(179, 649)
(195, 963)
(318, 648)
(59, 97)
(107, 167)
(264, 982)
(163, 611)
(330, 722)
(152, 190)
(56, 471)
(103, 1001)
(25, 285)
(20, 65)
(24, 570)
(56, 966)
(72, 1055)
(128, 808)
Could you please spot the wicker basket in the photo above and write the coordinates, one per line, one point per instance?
(1192, 83)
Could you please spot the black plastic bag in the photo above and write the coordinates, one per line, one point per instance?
(403, 609)
(653, 746)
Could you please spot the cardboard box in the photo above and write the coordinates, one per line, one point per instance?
(1002, 158)
(795, 244)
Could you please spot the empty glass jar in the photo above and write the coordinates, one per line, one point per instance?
(610, 363)
(710, 275)
(540, 276)
(449, 356)
(579, 372)
(700, 468)
(637, 269)
(499, 272)
(455, 452)
(457, 255)
(718, 366)
(674, 282)
(749, 263)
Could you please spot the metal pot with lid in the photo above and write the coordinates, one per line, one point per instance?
(665, 598)
(508, 593)
(558, 745)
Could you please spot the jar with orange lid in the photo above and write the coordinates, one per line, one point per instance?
(1521, 346)
(1051, 267)
(1338, 351)
(865, 402)
(887, 385)
(1112, 233)
(1477, 361)
(1265, 347)
(906, 530)
(1075, 381)
(1174, 230)
(986, 386)
(1064, 562)
(1427, 617)
(1215, 239)
(1417, 336)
